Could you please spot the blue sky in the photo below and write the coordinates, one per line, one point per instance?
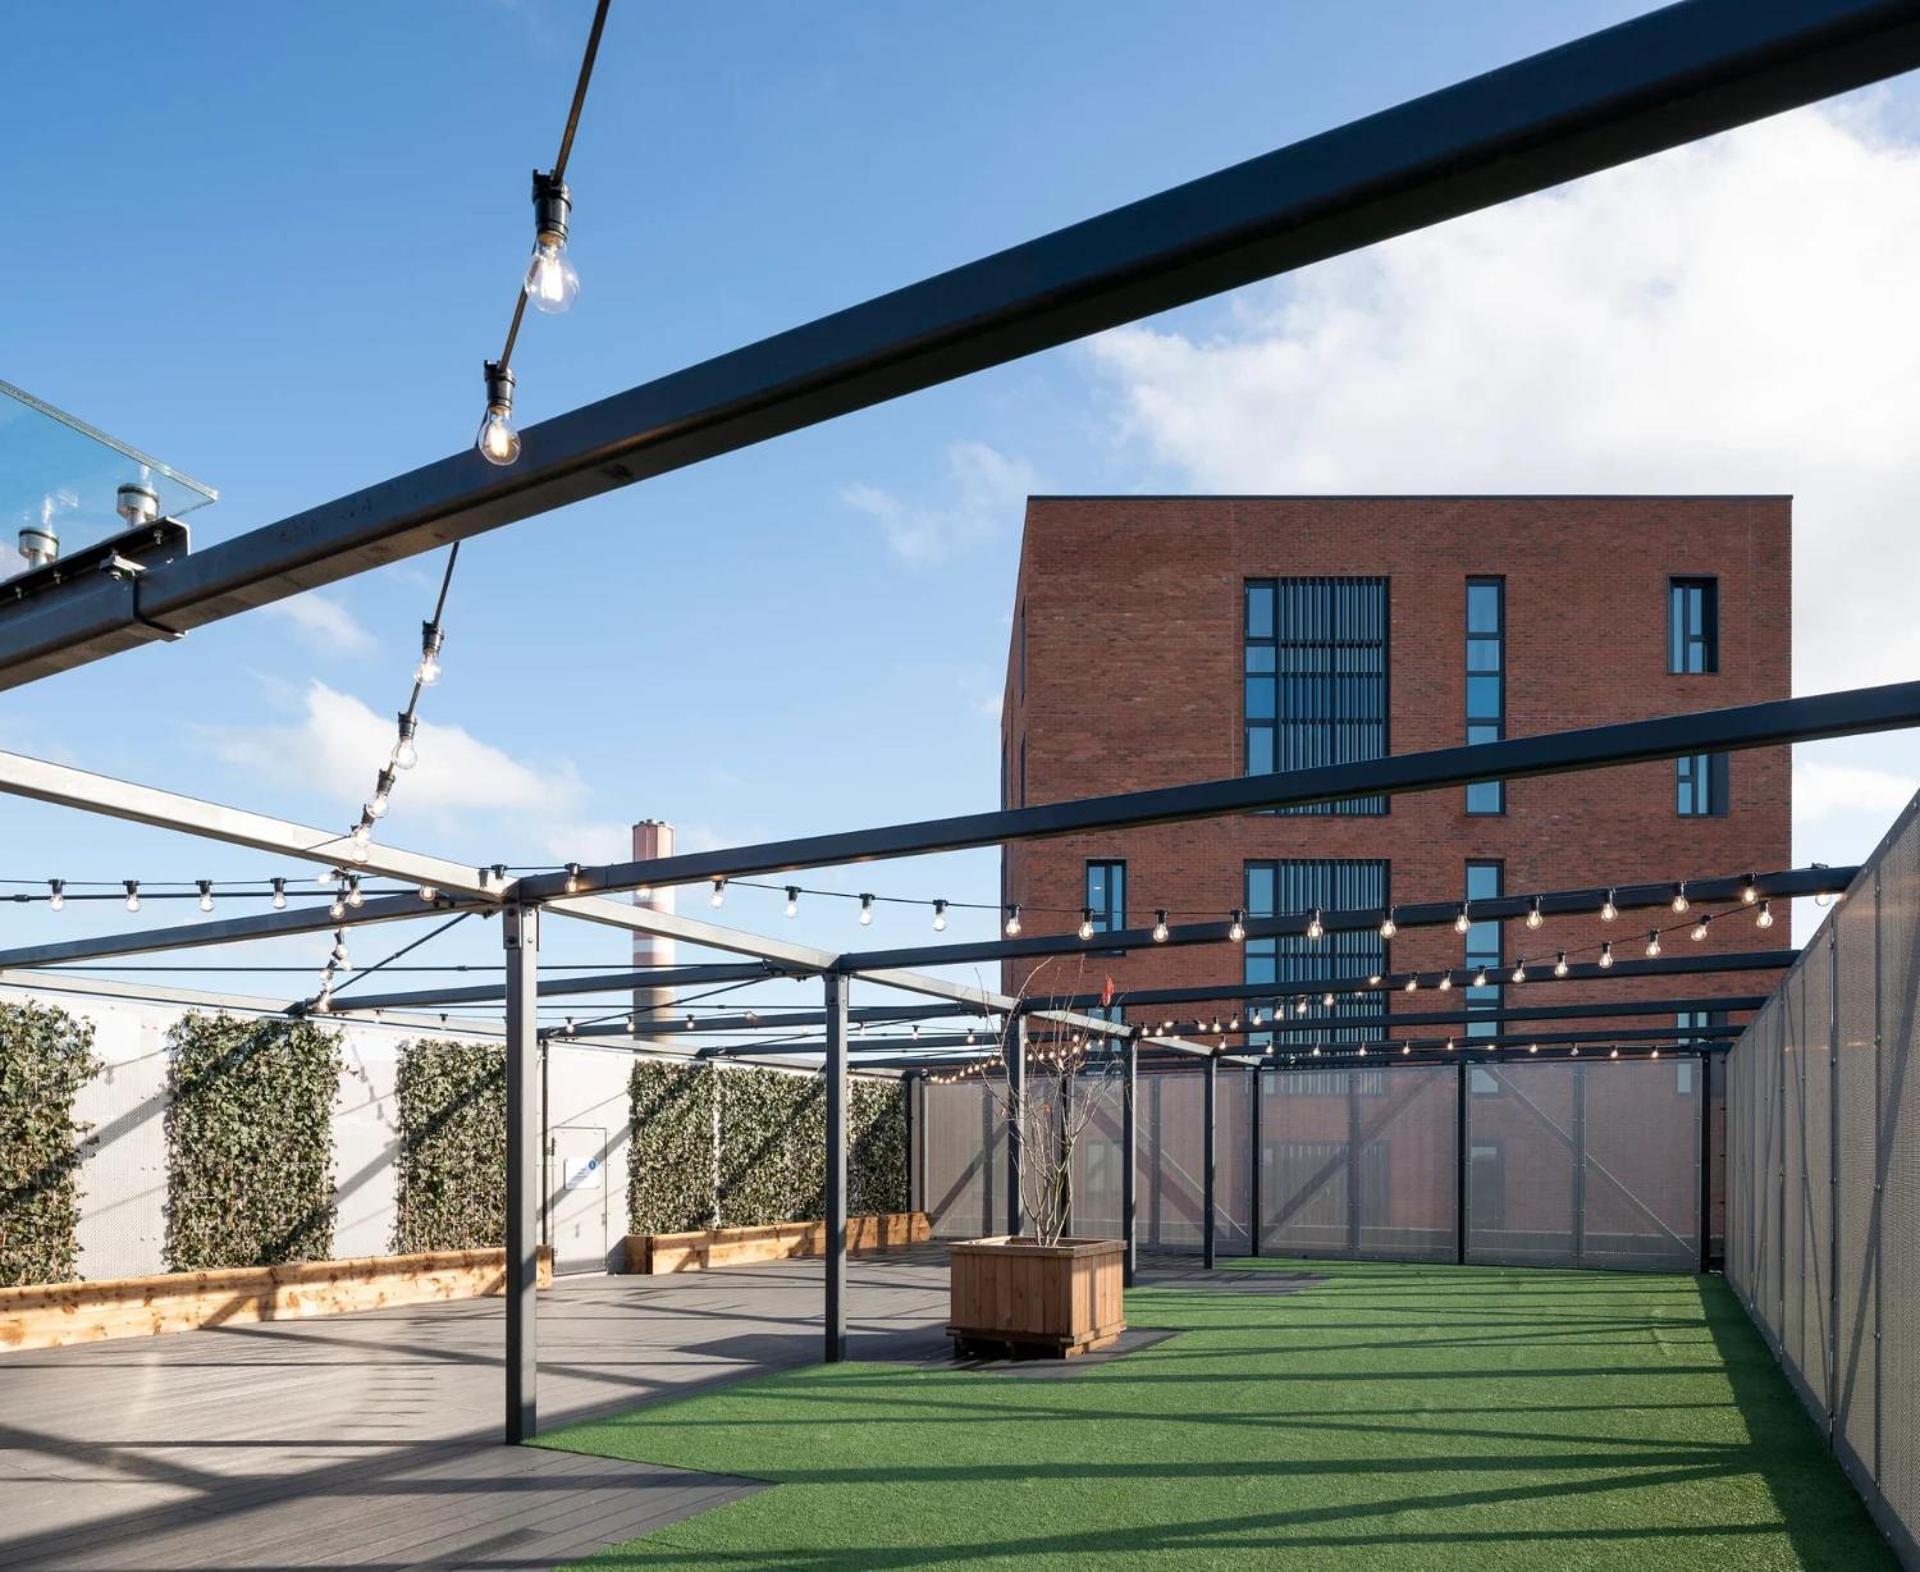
(275, 243)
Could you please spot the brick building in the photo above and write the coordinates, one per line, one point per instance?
(1158, 640)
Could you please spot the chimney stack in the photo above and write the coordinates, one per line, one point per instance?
(653, 838)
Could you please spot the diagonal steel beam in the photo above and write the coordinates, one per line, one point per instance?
(231, 930)
(1660, 80)
(550, 988)
(1854, 712)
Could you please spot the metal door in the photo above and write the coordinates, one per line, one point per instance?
(577, 1197)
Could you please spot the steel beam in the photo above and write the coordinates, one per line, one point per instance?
(232, 930)
(1660, 80)
(551, 988)
(66, 787)
(1854, 712)
(1323, 1024)
(1583, 902)
(520, 939)
(836, 1196)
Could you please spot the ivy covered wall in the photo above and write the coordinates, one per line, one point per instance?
(737, 1147)
(451, 1170)
(249, 1141)
(45, 1057)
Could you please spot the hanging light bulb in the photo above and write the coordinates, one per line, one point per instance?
(1480, 977)
(1449, 1045)
(1574, 1051)
(1534, 915)
(572, 884)
(340, 950)
(1533, 1047)
(1764, 917)
(324, 1002)
(1606, 956)
(689, 1020)
(58, 899)
(1085, 930)
(1406, 1049)
(1160, 926)
(552, 285)
(1699, 931)
(1462, 922)
(1653, 941)
(429, 893)
(719, 896)
(206, 894)
(133, 894)
(1363, 1050)
(1608, 910)
(1446, 982)
(1750, 891)
(1613, 1053)
(939, 916)
(1012, 925)
(1315, 928)
(338, 908)
(1680, 902)
(1326, 1001)
(360, 842)
(1412, 984)
(1655, 1054)
(1388, 927)
(497, 441)
(1236, 926)
(432, 637)
(1373, 979)
(1316, 1050)
(1825, 897)
(793, 900)
(405, 753)
(1560, 964)
(866, 910)
(354, 897)
(382, 798)
(1300, 1007)
(1520, 971)
(279, 895)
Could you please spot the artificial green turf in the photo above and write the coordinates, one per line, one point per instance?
(1391, 1417)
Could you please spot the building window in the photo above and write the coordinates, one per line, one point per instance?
(1484, 883)
(1107, 895)
(1343, 954)
(1315, 684)
(1693, 625)
(1700, 785)
(1486, 682)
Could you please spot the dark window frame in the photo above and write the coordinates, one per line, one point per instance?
(1691, 651)
(1486, 799)
(1328, 668)
(1332, 884)
(1493, 996)
(1698, 775)
(1106, 919)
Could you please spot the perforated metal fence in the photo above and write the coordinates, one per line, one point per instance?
(1557, 1163)
(1823, 1180)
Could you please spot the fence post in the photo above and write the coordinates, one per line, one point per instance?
(1016, 1120)
(1462, 1165)
(1704, 1146)
(836, 1073)
(1258, 1097)
(1211, 1105)
(1130, 1162)
(1878, 1232)
(520, 939)
(1833, 1172)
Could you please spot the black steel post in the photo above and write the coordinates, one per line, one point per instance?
(1463, 1164)
(909, 1094)
(1016, 1122)
(1579, 1163)
(1833, 1176)
(1256, 1078)
(836, 1219)
(1704, 1070)
(1208, 1161)
(1130, 1163)
(520, 939)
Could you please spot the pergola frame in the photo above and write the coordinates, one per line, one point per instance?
(1656, 82)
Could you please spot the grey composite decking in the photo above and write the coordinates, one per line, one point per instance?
(372, 1440)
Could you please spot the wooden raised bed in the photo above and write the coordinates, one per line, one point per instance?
(710, 1247)
(48, 1315)
(1014, 1295)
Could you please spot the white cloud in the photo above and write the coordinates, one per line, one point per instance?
(324, 624)
(338, 744)
(589, 841)
(1822, 790)
(1726, 317)
(986, 491)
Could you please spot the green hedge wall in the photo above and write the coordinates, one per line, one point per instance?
(452, 1167)
(46, 1056)
(771, 1160)
(249, 1142)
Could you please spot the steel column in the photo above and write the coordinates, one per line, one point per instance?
(1212, 1106)
(1704, 1069)
(1463, 1164)
(520, 940)
(836, 1219)
(1833, 1176)
(1130, 1163)
(1016, 1123)
(1254, 1136)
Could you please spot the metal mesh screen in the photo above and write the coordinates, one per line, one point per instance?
(1359, 1162)
(1520, 1176)
(1823, 1165)
(966, 1158)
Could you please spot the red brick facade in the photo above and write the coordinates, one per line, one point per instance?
(1124, 671)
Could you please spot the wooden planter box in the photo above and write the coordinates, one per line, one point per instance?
(1010, 1293)
(711, 1247)
(48, 1315)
